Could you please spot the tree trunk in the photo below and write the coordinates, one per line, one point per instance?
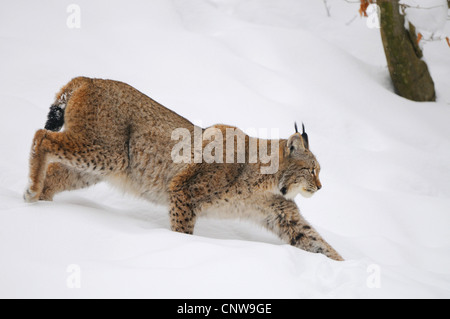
(409, 72)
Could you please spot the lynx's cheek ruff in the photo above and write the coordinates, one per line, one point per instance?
(295, 190)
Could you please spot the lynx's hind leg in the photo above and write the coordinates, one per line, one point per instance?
(71, 150)
(61, 177)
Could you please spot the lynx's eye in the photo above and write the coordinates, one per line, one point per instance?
(313, 171)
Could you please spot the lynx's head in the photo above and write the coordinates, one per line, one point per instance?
(299, 169)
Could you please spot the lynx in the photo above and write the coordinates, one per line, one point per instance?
(114, 133)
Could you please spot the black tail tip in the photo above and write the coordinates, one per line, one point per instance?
(55, 118)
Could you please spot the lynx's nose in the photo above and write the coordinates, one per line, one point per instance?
(319, 187)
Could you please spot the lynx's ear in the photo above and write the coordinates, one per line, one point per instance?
(297, 142)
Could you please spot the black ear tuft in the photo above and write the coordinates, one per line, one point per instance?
(296, 128)
(305, 137)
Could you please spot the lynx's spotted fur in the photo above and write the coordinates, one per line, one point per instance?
(114, 133)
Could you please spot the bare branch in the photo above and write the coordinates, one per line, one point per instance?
(405, 6)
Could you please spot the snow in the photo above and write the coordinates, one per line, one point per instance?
(263, 64)
(428, 16)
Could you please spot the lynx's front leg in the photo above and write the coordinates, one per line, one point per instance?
(182, 215)
(283, 217)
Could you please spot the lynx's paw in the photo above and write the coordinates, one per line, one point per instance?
(336, 257)
(29, 196)
(332, 254)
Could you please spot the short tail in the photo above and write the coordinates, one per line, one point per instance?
(55, 118)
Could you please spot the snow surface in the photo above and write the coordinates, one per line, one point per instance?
(385, 202)
(428, 16)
